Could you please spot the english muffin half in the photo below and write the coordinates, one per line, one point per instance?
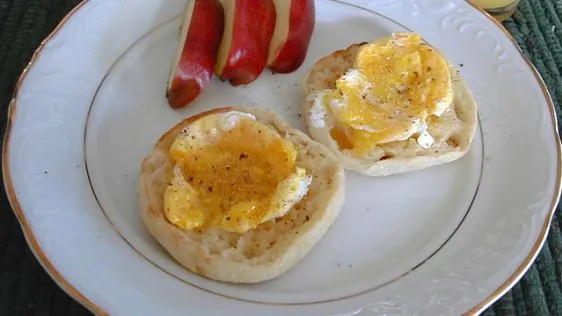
(221, 248)
(450, 133)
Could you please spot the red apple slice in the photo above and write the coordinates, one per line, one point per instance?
(201, 32)
(249, 26)
(293, 31)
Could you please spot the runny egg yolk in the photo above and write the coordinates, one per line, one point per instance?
(394, 86)
(232, 172)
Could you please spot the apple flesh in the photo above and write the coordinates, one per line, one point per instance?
(201, 31)
(244, 48)
(293, 31)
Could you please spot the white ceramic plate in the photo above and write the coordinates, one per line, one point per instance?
(446, 240)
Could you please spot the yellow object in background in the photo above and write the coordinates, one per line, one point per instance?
(500, 9)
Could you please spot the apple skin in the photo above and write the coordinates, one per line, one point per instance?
(293, 31)
(201, 32)
(243, 52)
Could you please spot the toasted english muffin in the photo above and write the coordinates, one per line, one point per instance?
(260, 254)
(452, 137)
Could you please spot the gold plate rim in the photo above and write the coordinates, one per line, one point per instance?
(82, 299)
(8, 185)
(537, 246)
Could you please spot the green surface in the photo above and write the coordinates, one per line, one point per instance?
(25, 289)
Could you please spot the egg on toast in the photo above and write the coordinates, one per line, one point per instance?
(237, 195)
(391, 106)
